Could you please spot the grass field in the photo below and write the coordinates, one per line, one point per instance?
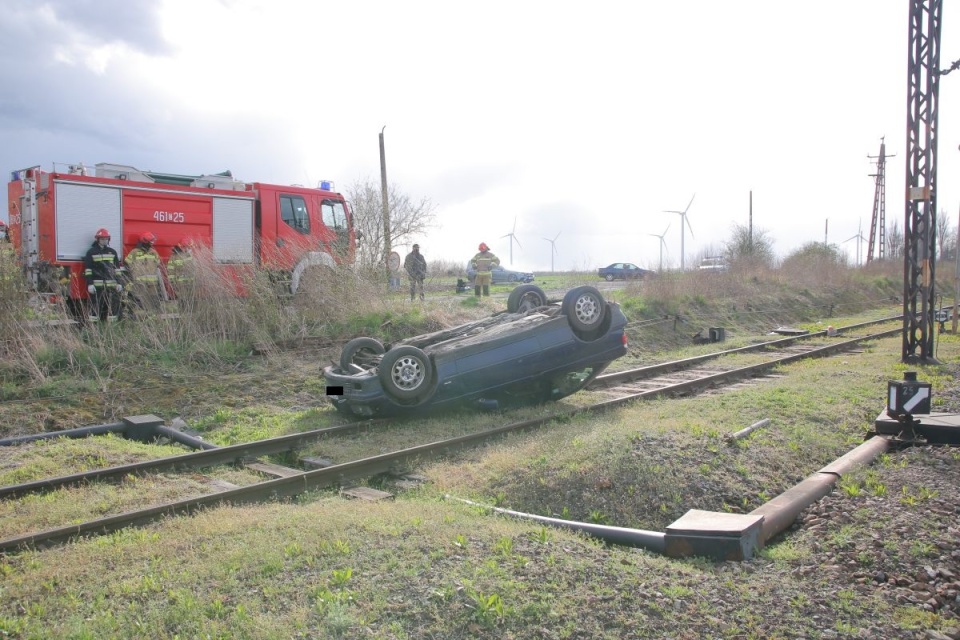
(423, 566)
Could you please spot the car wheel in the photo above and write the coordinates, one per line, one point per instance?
(361, 352)
(584, 307)
(525, 298)
(406, 373)
(608, 277)
(512, 278)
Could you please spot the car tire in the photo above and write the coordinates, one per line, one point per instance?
(406, 373)
(609, 277)
(525, 298)
(512, 278)
(360, 351)
(584, 308)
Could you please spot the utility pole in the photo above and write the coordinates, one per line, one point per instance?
(826, 226)
(386, 207)
(956, 279)
(750, 225)
(878, 222)
(920, 215)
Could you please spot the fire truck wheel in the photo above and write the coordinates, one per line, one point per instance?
(362, 352)
(313, 282)
(405, 373)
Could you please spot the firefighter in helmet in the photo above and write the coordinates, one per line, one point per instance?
(143, 265)
(180, 271)
(100, 267)
(483, 263)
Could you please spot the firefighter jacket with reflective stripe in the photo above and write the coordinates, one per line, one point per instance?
(180, 267)
(100, 265)
(484, 261)
(143, 264)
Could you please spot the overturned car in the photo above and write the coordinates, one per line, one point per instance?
(536, 351)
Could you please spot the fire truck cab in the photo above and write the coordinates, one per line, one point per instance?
(286, 229)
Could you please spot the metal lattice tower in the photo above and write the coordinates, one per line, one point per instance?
(878, 223)
(920, 219)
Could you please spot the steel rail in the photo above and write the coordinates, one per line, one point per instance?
(235, 454)
(339, 474)
(689, 386)
(656, 369)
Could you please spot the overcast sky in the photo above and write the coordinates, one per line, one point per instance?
(586, 120)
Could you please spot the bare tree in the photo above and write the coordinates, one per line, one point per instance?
(408, 219)
(894, 242)
(946, 237)
(744, 250)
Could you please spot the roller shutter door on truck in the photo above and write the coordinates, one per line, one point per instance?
(80, 210)
(233, 230)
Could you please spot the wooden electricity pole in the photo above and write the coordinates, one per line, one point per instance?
(386, 207)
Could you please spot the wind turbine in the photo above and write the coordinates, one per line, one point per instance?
(859, 237)
(663, 243)
(512, 239)
(553, 248)
(684, 220)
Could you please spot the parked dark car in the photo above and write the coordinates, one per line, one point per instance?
(535, 351)
(501, 275)
(623, 271)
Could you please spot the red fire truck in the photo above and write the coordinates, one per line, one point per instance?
(286, 229)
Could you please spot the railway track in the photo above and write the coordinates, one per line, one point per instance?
(681, 377)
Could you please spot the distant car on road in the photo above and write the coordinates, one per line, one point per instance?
(623, 271)
(535, 351)
(501, 275)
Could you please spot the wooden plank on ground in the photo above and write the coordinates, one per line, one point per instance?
(274, 470)
(366, 493)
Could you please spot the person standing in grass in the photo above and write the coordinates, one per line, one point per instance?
(143, 263)
(180, 271)
(416, 267)
(100, 267)
(483, 264)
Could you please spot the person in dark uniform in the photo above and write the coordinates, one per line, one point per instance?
(100, 266)
(416, 267)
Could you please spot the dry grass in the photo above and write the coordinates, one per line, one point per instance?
(421, 567)
(418, 566)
